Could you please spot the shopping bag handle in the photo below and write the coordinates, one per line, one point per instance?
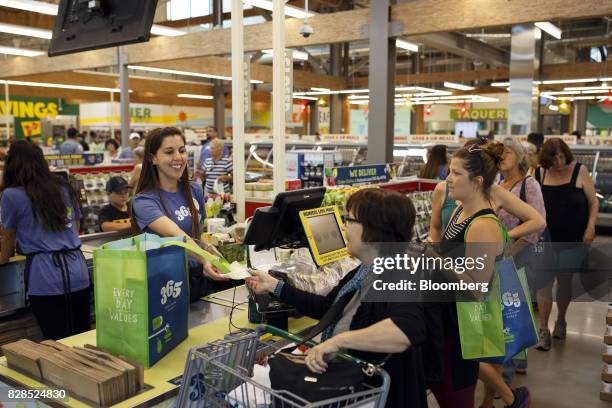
(266, 328)
(218, 262)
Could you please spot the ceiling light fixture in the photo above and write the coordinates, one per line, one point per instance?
(193, 96)
(550, 28)
(569, 81)
(407, 45)
(460, 87)
(157, 29)
(587, 88)
(20, 51)
(309, 98)
(290, 11)
(60, 86)
(320, 89)
(25, 31)
(185, 73)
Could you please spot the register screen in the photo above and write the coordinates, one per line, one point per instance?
(326, 233)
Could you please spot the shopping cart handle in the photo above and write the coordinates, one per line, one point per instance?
(265, 328)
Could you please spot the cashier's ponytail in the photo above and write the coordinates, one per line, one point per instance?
(149, 178)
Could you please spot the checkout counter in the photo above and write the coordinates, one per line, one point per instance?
(219, 313)
(12, 274)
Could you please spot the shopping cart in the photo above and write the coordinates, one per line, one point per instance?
(219, 374)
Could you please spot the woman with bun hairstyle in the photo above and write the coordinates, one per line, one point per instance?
(473, 170)
(167, 203)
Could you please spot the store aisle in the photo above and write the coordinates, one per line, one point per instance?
(569, 375)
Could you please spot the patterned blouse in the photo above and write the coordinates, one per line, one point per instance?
(533, 195)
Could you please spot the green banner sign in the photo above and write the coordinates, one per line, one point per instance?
(28, 112)
(479, 114)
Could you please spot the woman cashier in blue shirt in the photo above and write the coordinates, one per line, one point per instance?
(167, 204)
(40, 211)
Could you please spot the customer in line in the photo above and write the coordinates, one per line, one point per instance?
(571, 215)
(443, 207)
(71, 145)
(167, 204)
(532, 157)
(473, 170)
(40, 212)
(134, 142)
(115, 216)
(513, 168)
(111, 150)
(437, 164)
(217, 169)
(138, 157)
(370, 330)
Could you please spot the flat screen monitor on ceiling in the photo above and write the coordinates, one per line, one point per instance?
(83, 25)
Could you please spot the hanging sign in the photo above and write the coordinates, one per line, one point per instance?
(83, 159)
(30, 128)
(288, 84)
(247, 88)
(479, 114)
(355, 175)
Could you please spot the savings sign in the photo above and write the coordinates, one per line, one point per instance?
(28, 112)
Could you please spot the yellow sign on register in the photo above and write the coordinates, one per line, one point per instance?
(325, 237)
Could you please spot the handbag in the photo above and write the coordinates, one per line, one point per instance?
(289, 372)
(502, 325)
(539, 259)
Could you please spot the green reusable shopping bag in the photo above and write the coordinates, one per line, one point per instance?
(141, 297)
(141, 288)
(481, 329)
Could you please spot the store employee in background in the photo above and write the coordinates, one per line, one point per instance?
(217, 168)
(116, 215)
(40, 211)
(127, 153)
(71, 145)
(167, 204)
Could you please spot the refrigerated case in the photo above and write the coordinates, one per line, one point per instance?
(598, 160)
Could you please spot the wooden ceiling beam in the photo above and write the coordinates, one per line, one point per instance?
(26, 18)
(223, 67)
(414, 18)
(550, 72)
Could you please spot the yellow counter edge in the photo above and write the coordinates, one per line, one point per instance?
(168, 368)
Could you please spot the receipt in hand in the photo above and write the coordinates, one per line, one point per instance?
(237, 271)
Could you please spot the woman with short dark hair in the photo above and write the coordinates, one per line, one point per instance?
(571, 215)
(376, 219)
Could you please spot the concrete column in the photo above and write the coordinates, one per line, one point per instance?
(218, 92)
(219, 109)
(124, 102)
(237, 36)
(6, 111)
(335, 105)
(382, 85)
(278, 97)
(522, 68)
(314, 117)
(580, 116)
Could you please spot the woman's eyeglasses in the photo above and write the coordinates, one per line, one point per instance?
(348, 220)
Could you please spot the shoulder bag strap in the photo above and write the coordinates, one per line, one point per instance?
(523, 193)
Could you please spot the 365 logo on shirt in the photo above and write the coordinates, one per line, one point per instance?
(182, 213)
